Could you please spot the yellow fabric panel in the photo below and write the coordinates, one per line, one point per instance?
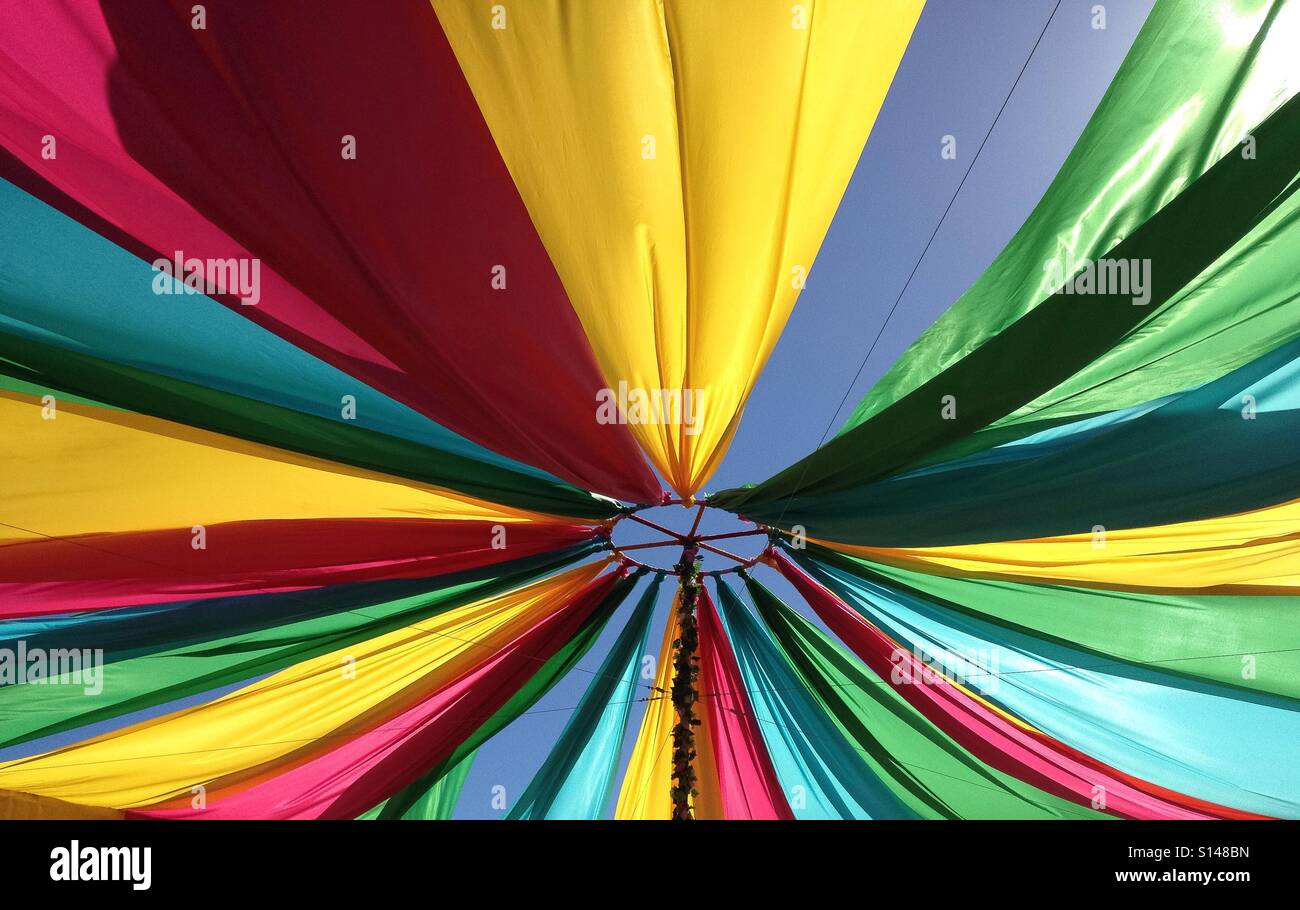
(284, 717)
(1251, 553)
(682, 161)
(644, 793)
(100, 470)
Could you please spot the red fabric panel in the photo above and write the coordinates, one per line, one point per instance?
(97, 571)
(746, 777)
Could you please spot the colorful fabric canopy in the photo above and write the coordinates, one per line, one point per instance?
(315, 436)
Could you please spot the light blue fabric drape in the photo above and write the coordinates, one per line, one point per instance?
(822, 774)
(1196, 737)
(577, 778)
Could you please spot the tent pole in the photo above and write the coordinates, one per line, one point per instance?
(686, 672)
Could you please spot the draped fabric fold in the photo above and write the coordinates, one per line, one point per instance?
(394, 247)
(1218, 449)
(312, 452)
(702, 208)
(647, 779)
(439, 802)
(646, 790)
(819, 770)
(149, 657)
(1111, 517)
(82, 316)
(1216, 637)
(34, 368)
(344, 782)
(1166, 118)
(1179, 242)
(357, 705)
(137, 473)
(930, 773)
(1249, 553)
(577, 778)
(412, 801)
(747, 781)
(1171, 748)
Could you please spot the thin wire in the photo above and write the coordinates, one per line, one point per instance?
(921, 258)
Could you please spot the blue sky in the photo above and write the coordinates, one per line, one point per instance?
(962, 60)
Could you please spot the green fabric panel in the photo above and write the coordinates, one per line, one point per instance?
(577, 777)
(1246, 304)
(1200, 74)
(157, 674)
(403, 803)
(270, 424)
(1197, 635)
(929, 772)
(438, 802)
(1184, 237)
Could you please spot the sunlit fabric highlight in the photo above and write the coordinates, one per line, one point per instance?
(1165, 119)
